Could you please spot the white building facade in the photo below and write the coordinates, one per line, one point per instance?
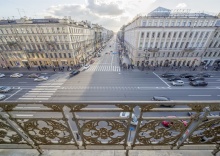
(164, 38)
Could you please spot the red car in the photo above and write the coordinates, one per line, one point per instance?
(168, 123)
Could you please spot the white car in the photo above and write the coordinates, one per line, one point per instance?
(134, 117)
(41, 78)
(86, 66)
(178, 83)
(2, 75)
(16, 75)
(2, 96)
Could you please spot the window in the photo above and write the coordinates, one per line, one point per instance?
(177, 43)
(161, 24)
(169, 34)
(167, 23)
(144, 23)
(201, 34)
(185, 34)
(215, 45)
(191, 34)
(164, 34)
(216, 34)
(181, 45)
(180, 34)
(174, 35)
(187, 43)
(178, 23)
(142, 35)
(196, 34)
(155, 23)
(69, 55)
(51, 55)
(189, 24)
(214, 54)
(42, 55)
(210, 54)
(210, 44)
(207, 34)
(205, 54)
(171, 44)
(166, 45)
(173, 54)
(60, 55)
(156, 44)
(153, 34)
(147, 35)
(64, 54)
(161, 44)
(195, 23)
(184, 23)
(46, 55)
(168, 54)
(158, 34)
(172, 24)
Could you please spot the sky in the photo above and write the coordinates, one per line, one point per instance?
(111, 14)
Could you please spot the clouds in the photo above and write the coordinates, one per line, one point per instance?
(102, 8)
(181, 5)
(109, 15)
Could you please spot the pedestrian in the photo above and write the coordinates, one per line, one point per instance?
(8, 68)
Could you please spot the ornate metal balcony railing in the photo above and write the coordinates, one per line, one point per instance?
(97, 125)
(153, 49)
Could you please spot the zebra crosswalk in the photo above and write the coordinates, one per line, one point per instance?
(102, 68)
(45, 89)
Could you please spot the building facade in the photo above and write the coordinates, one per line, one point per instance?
(165, 38)
(47, 42)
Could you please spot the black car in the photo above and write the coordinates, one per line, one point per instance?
(174, 78)
(203, 75)
(196, 78)
(162, 98)
(167, 75)
(186, 75)
(198, 83)
(75, 72)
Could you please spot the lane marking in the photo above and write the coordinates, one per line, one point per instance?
(22, 82)
(46, 91)
(199, 95)
(12, 95)
(33, 98)
(162, 80)
(48, 86)
(24, 115)
(112, 60)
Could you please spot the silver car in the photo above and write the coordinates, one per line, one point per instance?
(2, 96)
(2, 75)
(178, 83)
(41, 78)
(5, 89)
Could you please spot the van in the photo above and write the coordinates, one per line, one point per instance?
(162, 98)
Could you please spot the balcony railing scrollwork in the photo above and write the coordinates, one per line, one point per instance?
(189, 49)
(153, 49)
(67, 125)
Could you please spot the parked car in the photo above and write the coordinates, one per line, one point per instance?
(177, 83)
(134, 117)
(2, 96)
(186, 75)
(162, 98)
(41, 78)
(74, 72)
(196, 78)
(2, 75)
(173, 78)
(5, 89)
(166, 75)
(203, 75)
(33, 75)
(167, 123)
(87, 66)
(16, 75)
(198, 83)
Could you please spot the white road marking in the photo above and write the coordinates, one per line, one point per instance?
(45, 91)
(112, 59)
(162, 79)
(22, 82)
(24, 115)
(199, 95)
(12, 94)
(33, 98)
(48, 86)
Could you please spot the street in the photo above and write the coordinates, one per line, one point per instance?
(105, 81)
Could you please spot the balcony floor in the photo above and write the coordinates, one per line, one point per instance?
(24, 152)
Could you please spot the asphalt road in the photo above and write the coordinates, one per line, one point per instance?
(105, 81)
